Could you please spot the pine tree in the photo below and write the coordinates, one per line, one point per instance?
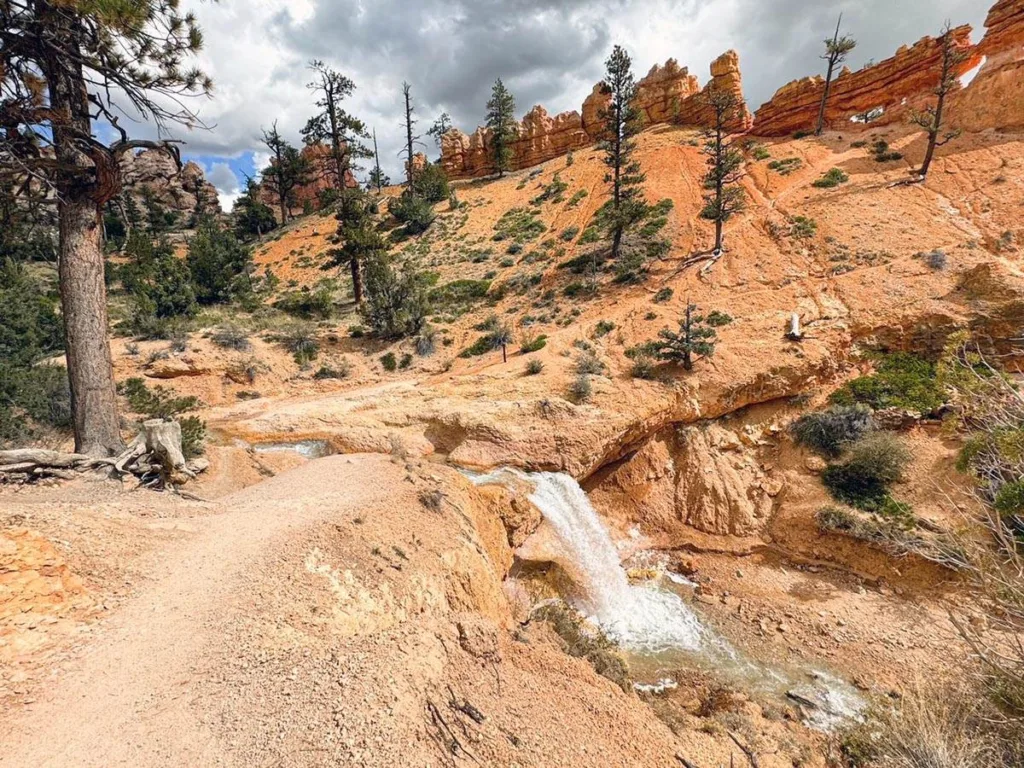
(288, 170)
(836, 51)
(253, 217)
(63, 65)
(333, 125)
(695, 337)
(725, 166)
(931, 118)
(360, 239)
(502, 122)
(627, 206)
(441, 126)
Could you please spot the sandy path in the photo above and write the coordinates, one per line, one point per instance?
(130, 698)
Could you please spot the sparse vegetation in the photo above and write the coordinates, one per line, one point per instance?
(786, 165)
(870, 467)
(828, 432)
(901, 380)
(832, 178)
(581, 390)
(534, 367)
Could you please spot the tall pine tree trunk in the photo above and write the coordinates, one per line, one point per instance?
(80, 268)
(357, 281)
(933, 136)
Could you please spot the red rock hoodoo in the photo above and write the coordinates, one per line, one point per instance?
(667, 94)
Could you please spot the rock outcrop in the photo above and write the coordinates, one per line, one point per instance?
(667, 94)
(152, 177)
(886, 85)
(1004, 29)
(541, 137)
(704, 477)
(995, 98)
(725, 76)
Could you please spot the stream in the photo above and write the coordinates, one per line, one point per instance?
(652, 623)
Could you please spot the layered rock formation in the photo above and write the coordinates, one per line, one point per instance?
(540, 137)
(667, 94)
(886, 85)
(995, 98)
(153, 177)
(1005, 29)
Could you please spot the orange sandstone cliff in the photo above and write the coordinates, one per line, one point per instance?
(886, 85)
(995, 98)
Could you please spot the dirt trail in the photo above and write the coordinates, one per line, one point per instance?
(129, 698)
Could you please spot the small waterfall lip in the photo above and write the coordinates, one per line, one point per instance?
(653, 625)
(311, 449)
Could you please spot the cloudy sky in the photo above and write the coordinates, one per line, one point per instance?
(548, 52)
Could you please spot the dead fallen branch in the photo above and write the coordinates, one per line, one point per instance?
(154, 457)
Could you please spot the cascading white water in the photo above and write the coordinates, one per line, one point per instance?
(654, 624)
(639, 617)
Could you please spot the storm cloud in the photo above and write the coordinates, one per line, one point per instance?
(548, 52)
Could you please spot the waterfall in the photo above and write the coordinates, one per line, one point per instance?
(651, 623)
(639, 617)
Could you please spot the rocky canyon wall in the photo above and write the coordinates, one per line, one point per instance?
(995, 98)
(911, 72)
(668, 93)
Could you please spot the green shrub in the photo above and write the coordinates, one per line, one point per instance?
(518, 224)
(533, 367)
(219, 264)
(405, 362)
(33, 400)
(603, 328)
(882, 153)
(569, 233)
(396, 300)
(581, 390)
(828, 432)
(300, 339)
(718, 319)
(156, 403)
(231, 337)
(432, 183)
(389, 362)
(901, 380)
(30, 327)
(803, 227)
(589, 364)
(193, 436)
(832, 178)
(533, 344)
(662, 295)
(786, 165)
(341, 371)
(554, 191)
(1009, 501)
(415, 213)
(873, 464)
(309, 304)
